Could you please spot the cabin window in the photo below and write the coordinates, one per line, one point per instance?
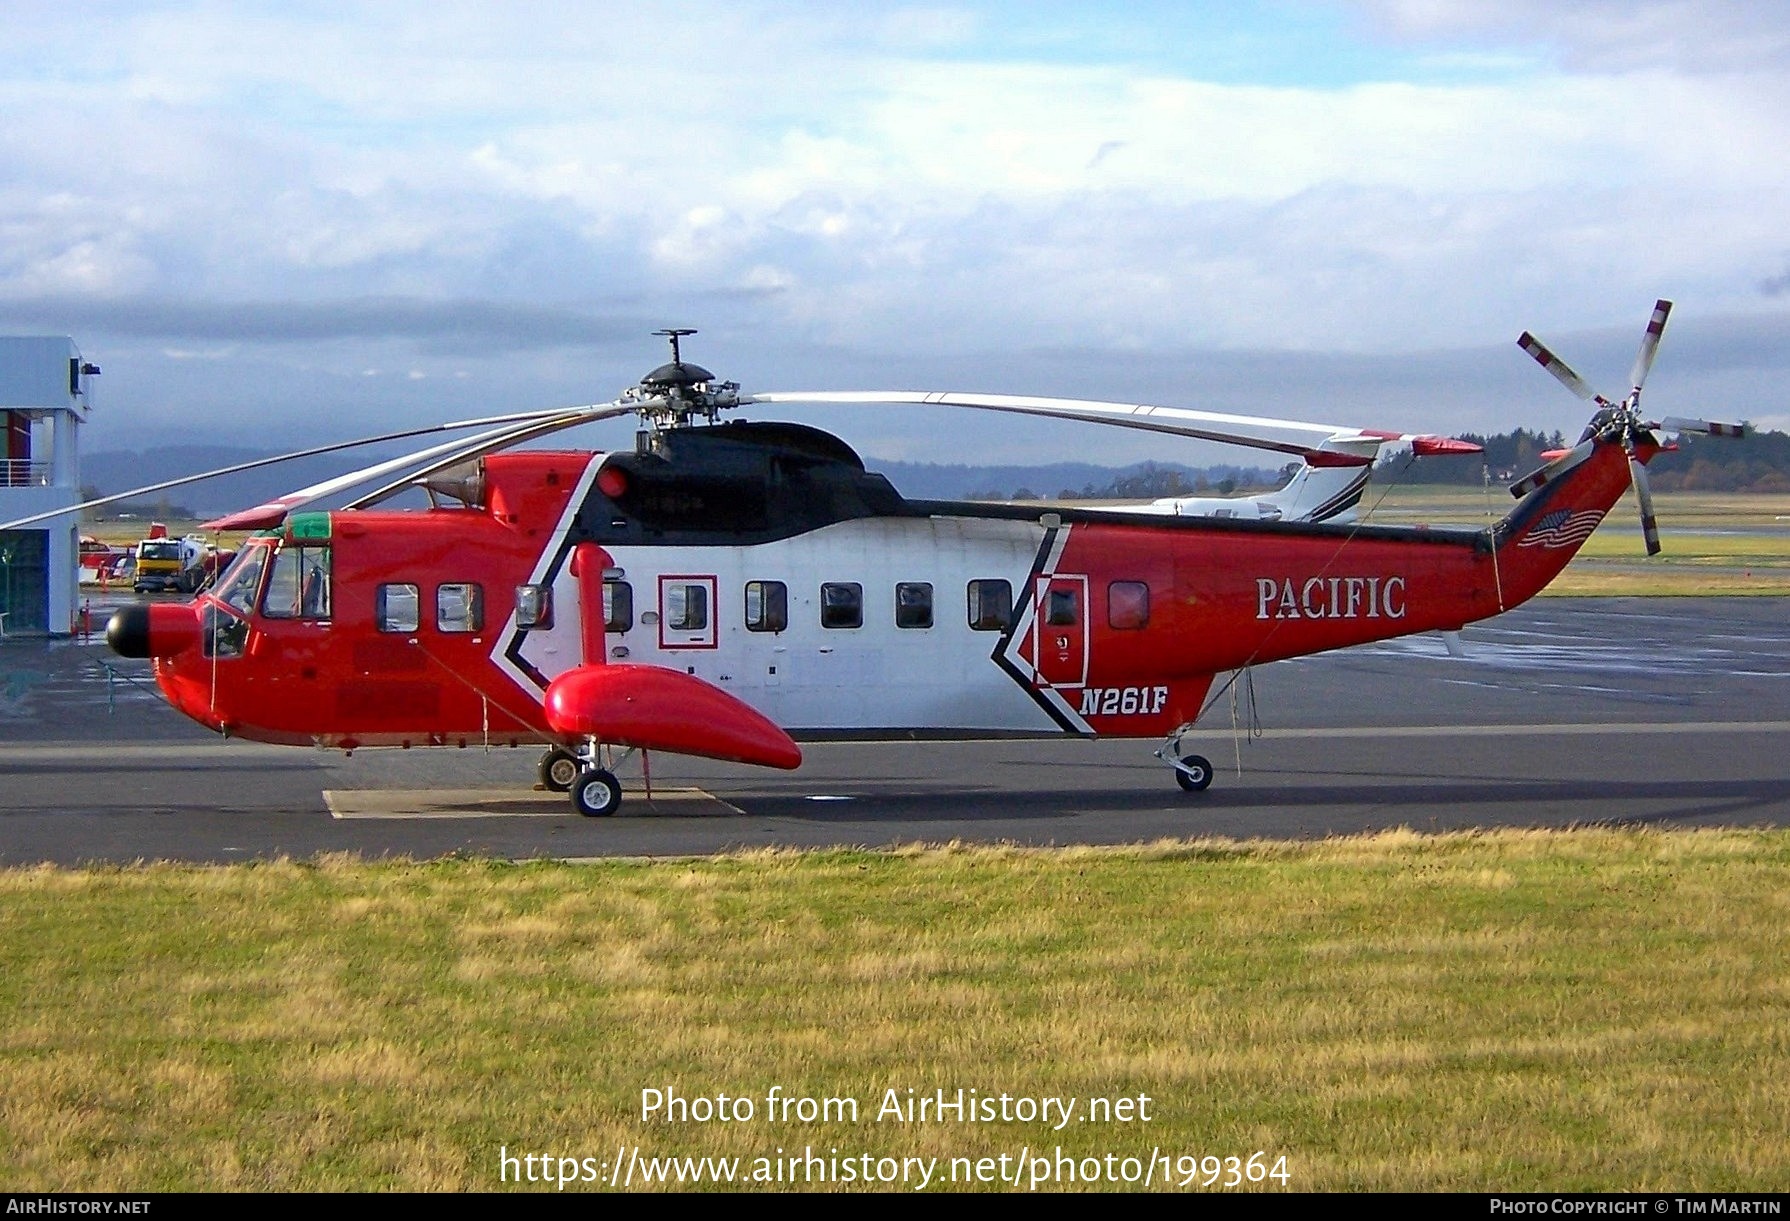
(1127, 605)
(767, 606)
(618, 606)
(298, 586)
(687, 607)
(396, 608)
(913, 604)
(534, 606)
(842, 604)
(991, 605)
(460, 607)
(1060, 609)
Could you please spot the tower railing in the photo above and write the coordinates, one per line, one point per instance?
(23, 473)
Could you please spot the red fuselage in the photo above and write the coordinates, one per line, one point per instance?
(767, 565)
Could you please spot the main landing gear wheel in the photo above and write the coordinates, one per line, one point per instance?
(559, 768)
(1195, 773)
(597, 793)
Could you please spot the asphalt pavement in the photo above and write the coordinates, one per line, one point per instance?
(1671, 712)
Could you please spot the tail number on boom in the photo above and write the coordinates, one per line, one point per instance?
(1122, 701)
(1330, 598)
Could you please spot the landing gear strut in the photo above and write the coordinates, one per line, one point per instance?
(1192, 772)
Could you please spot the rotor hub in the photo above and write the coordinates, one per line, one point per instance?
(675, 393)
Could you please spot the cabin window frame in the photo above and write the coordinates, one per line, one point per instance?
(772, 611)
(842, 605)
(1128, 606)
(1062, 607)
(471, 618)
(981, 613)
(914, 615)
(382, 617)
(618, 607)
(534, 607)
(693, 603)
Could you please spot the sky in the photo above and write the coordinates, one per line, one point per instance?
(277, 224)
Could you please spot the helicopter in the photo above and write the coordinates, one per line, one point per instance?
(728, 587)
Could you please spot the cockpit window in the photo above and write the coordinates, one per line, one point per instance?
(222, 634)
(298, 586)
(242, 580)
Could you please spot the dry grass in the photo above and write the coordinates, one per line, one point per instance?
(1597, 1009)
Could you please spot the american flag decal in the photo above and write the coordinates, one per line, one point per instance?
(1562, 528)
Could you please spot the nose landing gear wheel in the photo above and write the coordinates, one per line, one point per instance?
(559, 768)
(597, 793)
(1195, 773)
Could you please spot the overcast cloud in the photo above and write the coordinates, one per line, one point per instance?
(374, 216)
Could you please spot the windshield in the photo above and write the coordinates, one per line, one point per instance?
(158, 551)
(237, 587)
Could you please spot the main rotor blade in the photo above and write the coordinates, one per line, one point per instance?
(239, 467)
(1649, 343)
(1637, 471)
(1560, 369)
(1296, 437)
(271, 513)
(1674, 423)
(478, 448)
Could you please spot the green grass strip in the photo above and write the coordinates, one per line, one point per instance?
(1594, 1009)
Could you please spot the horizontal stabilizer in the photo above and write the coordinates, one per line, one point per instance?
(1556, 467)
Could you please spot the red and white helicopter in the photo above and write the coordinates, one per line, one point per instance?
(727, 587)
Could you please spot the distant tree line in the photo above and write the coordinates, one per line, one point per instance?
(160, 509)
(1151, 481)
(1760, 463)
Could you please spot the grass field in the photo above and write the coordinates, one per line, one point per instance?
(1517, 1011)
(1591, 1010)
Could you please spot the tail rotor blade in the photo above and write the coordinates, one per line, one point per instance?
(1560, 369)
(1674, 423)
(1649, 526)
(1649, 343)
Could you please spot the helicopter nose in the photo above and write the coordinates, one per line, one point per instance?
(162, 630)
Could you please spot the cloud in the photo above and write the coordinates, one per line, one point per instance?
(934, 184)
(446, 326)
(1604, 36)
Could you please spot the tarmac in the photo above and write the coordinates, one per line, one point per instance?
(1656, 712)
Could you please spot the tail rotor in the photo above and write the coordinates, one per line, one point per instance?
(1619, 421)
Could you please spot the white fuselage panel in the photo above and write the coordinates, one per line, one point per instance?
(809, 676)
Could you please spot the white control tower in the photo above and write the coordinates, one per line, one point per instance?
(43, 402)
